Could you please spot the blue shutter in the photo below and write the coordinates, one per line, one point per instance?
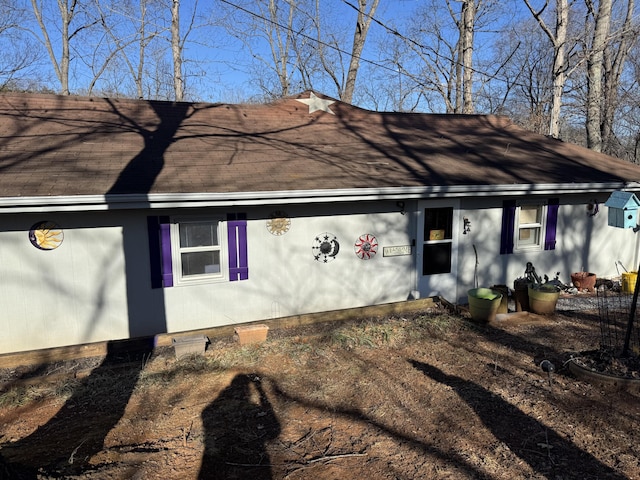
(160, 251)
(508, 226)
(552, 223)
(237, 242)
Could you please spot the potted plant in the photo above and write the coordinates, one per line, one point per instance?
(484, 304)
(543, 296)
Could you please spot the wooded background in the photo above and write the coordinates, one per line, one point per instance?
(565, 68)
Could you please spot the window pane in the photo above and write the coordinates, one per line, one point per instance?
(529, 236)
(200, 263)
(438, 223)
(530, 214)
(436, 258)
(198, 234)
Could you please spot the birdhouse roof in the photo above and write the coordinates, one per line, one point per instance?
(623, 200)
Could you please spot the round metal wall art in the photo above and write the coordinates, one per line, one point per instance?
(366, 246)
(325, 247)
(278, 223)
(46, 235)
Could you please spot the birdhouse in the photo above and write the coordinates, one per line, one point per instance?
(623, 209)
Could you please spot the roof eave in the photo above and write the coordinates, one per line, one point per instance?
(77, 203)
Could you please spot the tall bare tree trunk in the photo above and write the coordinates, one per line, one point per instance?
(559, 66)
(469, 10)
(595, 62)
(558, 39)
(176, 51)
(61, 67)
(359, 37)
(613, 65)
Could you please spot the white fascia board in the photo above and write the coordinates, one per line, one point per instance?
(193, 200)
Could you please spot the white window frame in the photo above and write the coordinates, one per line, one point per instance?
(177, 251)
(541, 225)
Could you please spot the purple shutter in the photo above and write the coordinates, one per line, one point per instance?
(508, 226)
(237, 241)
(552, 222)
(160, 251)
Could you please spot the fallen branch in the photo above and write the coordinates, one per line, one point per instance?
(334, 457)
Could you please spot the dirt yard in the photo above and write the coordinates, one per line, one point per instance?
(425, 396)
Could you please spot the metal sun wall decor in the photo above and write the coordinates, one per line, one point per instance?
(279, 223)
(46, 235)
(325, 247)
(366, 246)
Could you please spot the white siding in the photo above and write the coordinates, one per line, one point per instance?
(96, 286)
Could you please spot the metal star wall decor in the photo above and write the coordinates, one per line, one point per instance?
(325, 247)
(317, 103)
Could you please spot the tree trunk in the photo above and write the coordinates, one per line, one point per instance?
(613, 64)
(559, 60)
(359, 37)
(469, 10)
(595, 62)
(66, 15)
(558, 39)
(176, 51)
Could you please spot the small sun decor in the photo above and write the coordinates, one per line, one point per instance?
(278, 223)
(325, 247)
(46, 235)
(366, 246)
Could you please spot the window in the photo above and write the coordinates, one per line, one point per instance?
(529, 226)
(438, 232)
(197, 250)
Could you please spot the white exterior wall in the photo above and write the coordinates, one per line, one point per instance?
(285, 279)
(73, 294)
(582, 243)
(97, 285)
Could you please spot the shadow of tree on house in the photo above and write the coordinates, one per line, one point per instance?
(63, 446)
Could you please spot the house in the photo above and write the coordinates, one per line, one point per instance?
(123, 218)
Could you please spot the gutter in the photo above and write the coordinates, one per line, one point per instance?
(83, 203)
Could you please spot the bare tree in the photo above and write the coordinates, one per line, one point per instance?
(131, 27)
(268, 31)
(464, 68)
(595, 59)
(558, 38)
(18, 56)
(72, 21)
(363, 23)
(606, 57)
(177, 44)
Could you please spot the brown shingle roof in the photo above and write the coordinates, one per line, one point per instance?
(61, 146)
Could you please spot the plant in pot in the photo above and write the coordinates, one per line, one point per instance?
(484, 304)
(543, 296)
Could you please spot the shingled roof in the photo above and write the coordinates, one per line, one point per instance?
(65, 146)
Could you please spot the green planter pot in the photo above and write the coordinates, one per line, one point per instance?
(484, 304)
(543, 300)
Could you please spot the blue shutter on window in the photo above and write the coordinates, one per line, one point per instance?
(508, 226)
(160, 251)
(552, 222)
(237, 241)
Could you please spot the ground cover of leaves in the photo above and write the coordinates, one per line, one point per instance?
(431, 395)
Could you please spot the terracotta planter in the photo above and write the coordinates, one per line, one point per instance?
(584, 281)
(251, 334)
(484, 304)
(543, 300)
